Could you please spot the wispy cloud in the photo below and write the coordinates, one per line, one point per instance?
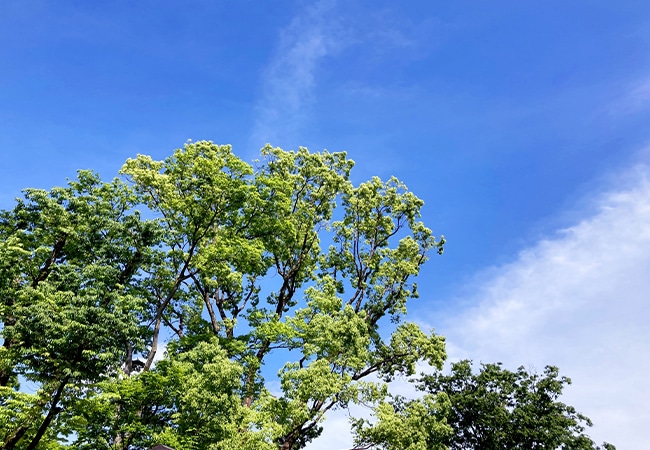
(640, 95)
(289, 79)
(323, 30)
(634, 99)
(578, 300)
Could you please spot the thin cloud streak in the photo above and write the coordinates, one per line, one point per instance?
(578, 301)
(634, 99)
(289, 79)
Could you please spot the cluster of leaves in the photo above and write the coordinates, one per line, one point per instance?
(235, 267)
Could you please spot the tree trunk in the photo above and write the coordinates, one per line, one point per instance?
(51, 414)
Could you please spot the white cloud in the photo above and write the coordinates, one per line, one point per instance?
(290, 77)
(578, 300)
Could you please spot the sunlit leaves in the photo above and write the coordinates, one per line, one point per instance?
(406, 424)
(69, 310)
(224, 262)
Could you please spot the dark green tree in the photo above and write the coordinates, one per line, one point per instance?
(497, 408)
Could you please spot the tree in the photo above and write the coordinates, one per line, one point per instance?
(497, 408)
(69, 300)
(224, 261)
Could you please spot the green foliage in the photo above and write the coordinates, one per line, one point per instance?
(192, 399)
(409, 425)
(496, 408)
(70, 305)
(225, 263)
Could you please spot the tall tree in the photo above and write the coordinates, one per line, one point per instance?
(229, 270)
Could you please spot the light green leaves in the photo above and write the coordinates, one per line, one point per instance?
(225, 263)
(408, 345)
(406, 424)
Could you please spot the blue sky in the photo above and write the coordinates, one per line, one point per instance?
(523, 126)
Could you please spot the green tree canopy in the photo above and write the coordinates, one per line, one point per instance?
(235, 266)
(497, 408)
